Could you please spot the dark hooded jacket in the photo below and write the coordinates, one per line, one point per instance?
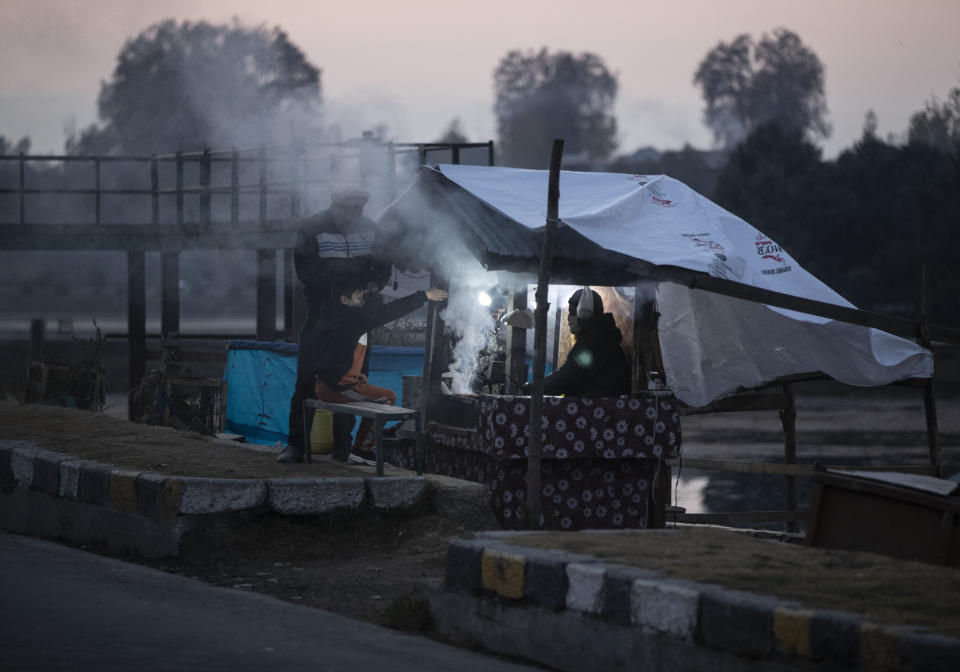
(596, 363)
(340, 327)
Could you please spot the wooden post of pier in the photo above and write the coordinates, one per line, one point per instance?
(266, 264)
(788, 418)
(136, 320)
(266, 294)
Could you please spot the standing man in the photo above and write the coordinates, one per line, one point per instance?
(334, 248)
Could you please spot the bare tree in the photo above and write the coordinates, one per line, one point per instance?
(747, 84)
(188, 86)
(541, 96)
(937, 124)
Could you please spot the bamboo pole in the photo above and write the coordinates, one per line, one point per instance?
(533, 500)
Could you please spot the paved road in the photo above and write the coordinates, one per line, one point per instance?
(64, 609)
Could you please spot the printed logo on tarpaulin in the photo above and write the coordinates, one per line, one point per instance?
(767, 249)
(659, 196)
(703, 243)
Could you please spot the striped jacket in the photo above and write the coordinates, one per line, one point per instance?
(330, 254)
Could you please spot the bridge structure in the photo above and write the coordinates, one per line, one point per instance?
(248, 198)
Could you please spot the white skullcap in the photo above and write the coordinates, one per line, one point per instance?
(351, 193)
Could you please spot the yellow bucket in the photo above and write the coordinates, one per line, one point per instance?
(321, 433)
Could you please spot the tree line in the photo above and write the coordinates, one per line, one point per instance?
(864, 222)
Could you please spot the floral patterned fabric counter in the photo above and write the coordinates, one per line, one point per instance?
(601, 456)
(579, 427)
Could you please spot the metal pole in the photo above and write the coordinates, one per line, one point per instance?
(788, 418)
(456, 156)
(490, 153)
(534, 494)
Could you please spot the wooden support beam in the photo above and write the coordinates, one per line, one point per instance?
(169, 293)
(136, 319)
(534, 503)
(777, 469)
(739, 403)
(645, 347)
(659, 497)
(742, 517)
(516, 363)
(555, 359)
(435, 355)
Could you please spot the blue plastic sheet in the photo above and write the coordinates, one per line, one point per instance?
(261, 377)
(260, 382)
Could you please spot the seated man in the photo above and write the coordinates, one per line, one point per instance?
(343, 323)
(596, 364)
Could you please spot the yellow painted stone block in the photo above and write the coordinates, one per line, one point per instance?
(123, 490)
(879, 649)
(791, 628)
(503, 573)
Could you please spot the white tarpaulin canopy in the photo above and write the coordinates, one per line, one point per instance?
(711, 344)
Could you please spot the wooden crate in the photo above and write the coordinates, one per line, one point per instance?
(904, 515)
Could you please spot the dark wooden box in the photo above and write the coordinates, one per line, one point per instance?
(902, 516)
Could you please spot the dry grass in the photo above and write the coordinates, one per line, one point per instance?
(98, 437)
(884, 589)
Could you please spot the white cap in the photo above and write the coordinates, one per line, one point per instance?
(351, 193)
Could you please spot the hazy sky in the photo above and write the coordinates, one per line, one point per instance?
(417, 64)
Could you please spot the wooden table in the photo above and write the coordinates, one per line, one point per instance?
(379, 413)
